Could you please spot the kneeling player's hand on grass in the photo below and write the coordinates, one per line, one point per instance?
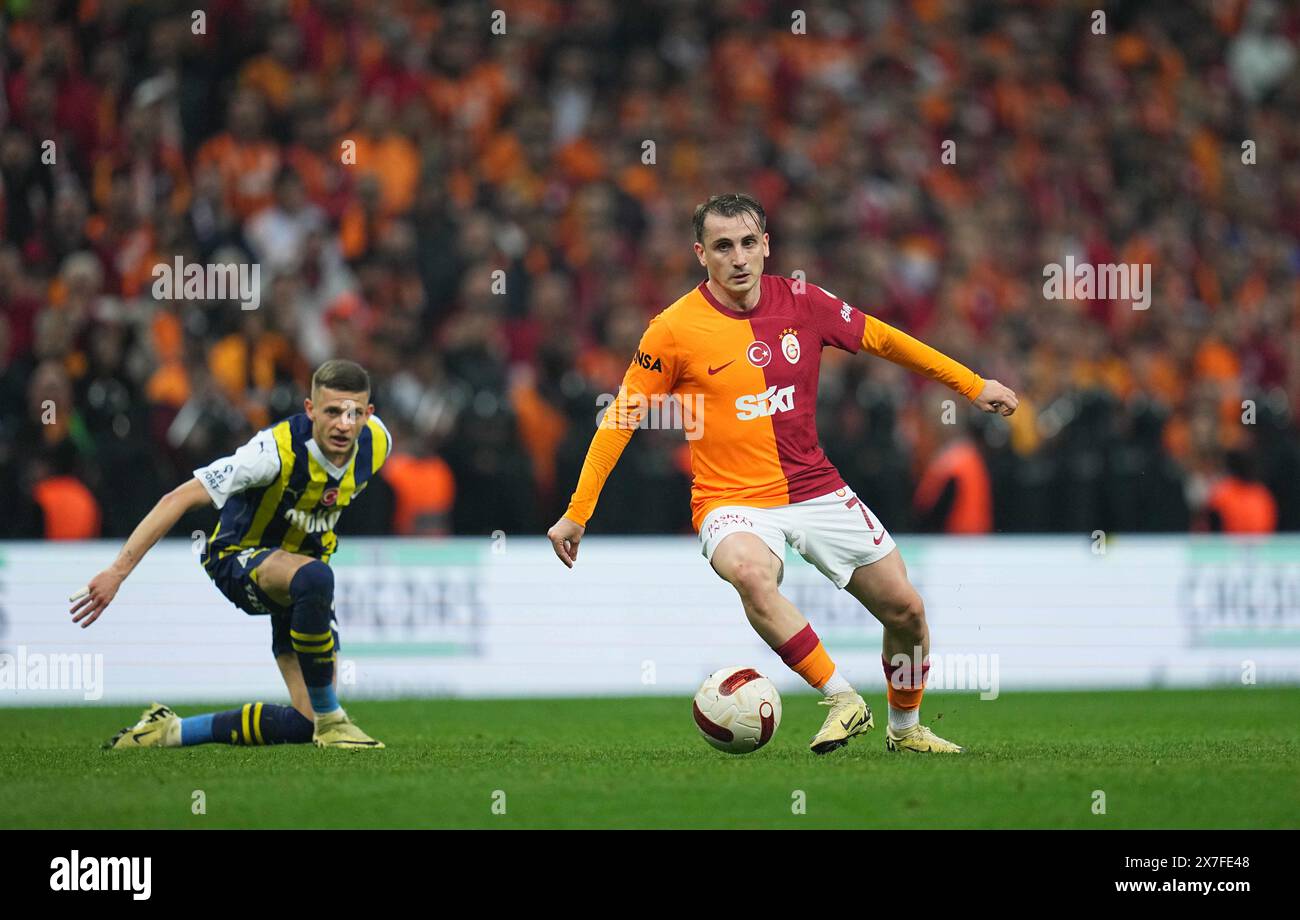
(996, 398)
(91, 601)
(564, 537)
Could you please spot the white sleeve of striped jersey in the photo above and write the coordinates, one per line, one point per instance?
(387, 434)
(255, 464)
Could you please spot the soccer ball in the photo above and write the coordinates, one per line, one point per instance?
(737, 710)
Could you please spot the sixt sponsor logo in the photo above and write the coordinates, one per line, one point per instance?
(769, 402)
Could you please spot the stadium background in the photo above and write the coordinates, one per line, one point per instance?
(523, 153)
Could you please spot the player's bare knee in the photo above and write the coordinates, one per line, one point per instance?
(763, 608)
(755, 583)
(904, 615)
(907, 618)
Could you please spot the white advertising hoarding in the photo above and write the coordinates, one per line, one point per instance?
(477, 617)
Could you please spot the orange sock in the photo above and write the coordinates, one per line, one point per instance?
(905, 684)
(806, 656)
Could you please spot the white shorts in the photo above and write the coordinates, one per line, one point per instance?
(836, 532)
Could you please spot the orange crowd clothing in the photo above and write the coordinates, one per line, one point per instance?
(247, 169)
(240, 364)
(1242, 506)
(395, 163)
(272, 79)
(747, 382)
(541, 429)
(424, 490)
(474, 101)
(972, 506)
(71, 511)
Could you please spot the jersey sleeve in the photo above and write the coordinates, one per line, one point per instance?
(652, 375)
(381, 441)
(255, 464)
(838, 323)
(884, 340)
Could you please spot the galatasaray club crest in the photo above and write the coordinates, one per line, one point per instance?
(790, 345)
(758, 354)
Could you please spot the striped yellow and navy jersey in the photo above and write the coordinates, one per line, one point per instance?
(279, 491)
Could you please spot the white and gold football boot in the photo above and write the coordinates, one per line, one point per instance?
(159, 726)
(850, 715)
(336, 730)
(919, 739)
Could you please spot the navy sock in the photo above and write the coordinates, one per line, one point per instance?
(252, 723)
(312, 590)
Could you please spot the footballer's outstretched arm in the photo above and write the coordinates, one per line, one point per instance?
(884, 340)
(92, 600)
(606, 447)
(652, 374)
(257, 463)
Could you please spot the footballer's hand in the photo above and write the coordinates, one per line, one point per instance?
(996, 398)
(92, 600)
(564, 537)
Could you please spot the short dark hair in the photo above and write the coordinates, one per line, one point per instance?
(728, 206)
(341, 374)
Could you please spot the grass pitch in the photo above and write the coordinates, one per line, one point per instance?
(1164, 759)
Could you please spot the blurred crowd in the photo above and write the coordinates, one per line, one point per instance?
(485, 204)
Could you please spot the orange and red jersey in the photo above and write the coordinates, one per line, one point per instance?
(747, 382)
